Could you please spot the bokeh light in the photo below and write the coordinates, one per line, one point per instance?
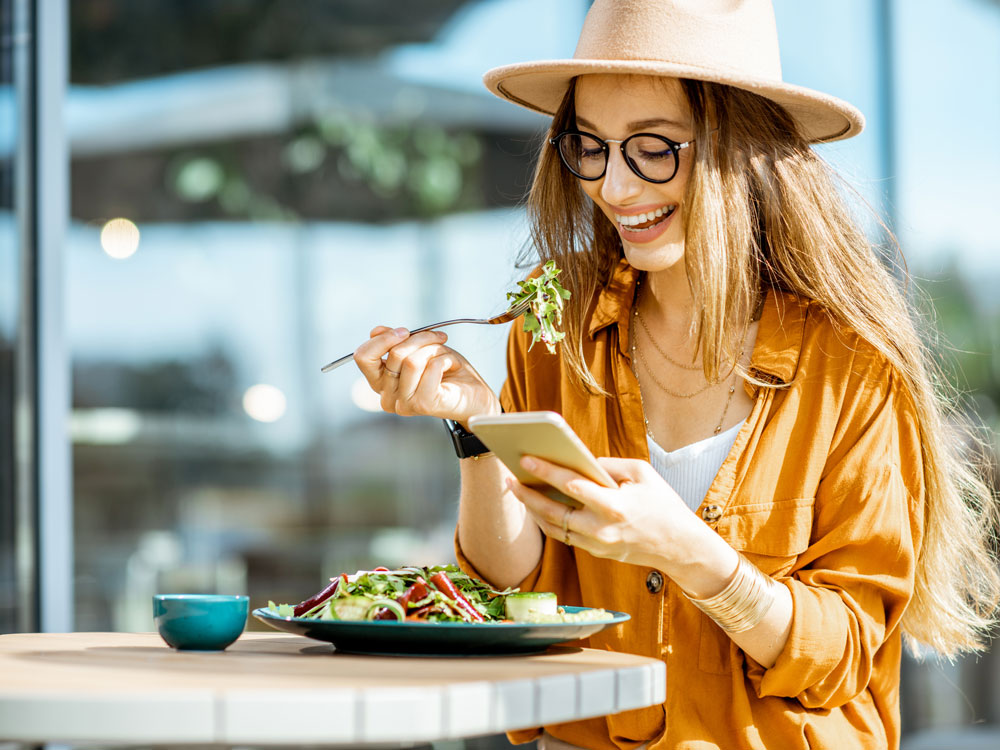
(364, 397)
(264, 402)
(120, 238)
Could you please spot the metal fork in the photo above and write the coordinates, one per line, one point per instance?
(505, 317)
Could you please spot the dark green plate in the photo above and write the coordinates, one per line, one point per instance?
(439, 638)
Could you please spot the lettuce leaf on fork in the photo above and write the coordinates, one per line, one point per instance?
(545, 297)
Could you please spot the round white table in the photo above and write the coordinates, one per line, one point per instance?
(288, 690)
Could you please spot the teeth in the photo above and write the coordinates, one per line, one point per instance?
(633, 220)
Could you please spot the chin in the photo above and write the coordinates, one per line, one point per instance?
(653, 259)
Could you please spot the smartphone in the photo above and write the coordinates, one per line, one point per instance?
(539, 433)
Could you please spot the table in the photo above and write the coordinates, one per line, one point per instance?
(286, 689)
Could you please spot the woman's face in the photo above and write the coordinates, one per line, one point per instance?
(617, 106)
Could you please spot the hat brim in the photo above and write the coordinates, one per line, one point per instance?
(540, 86)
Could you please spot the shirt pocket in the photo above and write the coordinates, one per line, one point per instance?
(771, 536)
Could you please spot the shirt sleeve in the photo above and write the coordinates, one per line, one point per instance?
(854, 581)
(514, 392)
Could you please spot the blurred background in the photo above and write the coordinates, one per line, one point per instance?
(226, 194)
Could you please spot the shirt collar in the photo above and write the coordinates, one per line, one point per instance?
(779, 335)
(615, 300)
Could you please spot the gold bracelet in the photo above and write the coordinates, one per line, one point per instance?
(744, 601)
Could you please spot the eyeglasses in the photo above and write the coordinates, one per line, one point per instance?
(652, 157)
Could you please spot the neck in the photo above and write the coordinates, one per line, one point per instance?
(667, 300)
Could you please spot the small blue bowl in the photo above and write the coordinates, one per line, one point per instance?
(200, 622)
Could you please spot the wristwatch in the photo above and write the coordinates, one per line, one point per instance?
(467, 445)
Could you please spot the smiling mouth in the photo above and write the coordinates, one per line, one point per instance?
(640, 222)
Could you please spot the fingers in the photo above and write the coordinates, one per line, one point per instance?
(409, 357)
(548, 514)
(429, 384)
(624, 469)
(368, 356)
(420, 374)
(569, 482)
(394, 345)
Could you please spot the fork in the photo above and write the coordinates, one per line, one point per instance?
(505, 317)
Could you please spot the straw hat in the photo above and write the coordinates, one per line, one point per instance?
(734, 42)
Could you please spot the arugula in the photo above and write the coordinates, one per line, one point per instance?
(545, 297)
(362, 595)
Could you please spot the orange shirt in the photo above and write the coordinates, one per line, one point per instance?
(823, 490)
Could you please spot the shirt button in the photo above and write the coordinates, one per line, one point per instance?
(654, 582)
(711, 513)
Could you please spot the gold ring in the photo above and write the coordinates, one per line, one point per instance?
(565, 524)
(391, 373)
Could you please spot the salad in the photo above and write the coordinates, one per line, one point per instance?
(440, 593)
(545, 297)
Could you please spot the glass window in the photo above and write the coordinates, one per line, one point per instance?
(12, 616)
(254, 187)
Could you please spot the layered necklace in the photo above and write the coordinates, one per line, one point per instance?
(638, 355)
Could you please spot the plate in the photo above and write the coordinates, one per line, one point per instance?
(439, 638)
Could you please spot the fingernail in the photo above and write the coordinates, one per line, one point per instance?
(508, 483)
(529, 463)
(400, 332)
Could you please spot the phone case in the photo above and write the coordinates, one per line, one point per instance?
(538, 433)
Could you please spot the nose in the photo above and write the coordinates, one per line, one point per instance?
(620, 183)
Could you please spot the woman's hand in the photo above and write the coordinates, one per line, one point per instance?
(642, 521)
(419, 375)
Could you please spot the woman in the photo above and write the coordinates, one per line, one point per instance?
(789, 501)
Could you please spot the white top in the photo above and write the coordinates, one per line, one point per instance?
(691, 470)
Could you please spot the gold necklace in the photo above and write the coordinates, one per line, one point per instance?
(652, 375)
(729, 396)
(649, 335)
(645, 419)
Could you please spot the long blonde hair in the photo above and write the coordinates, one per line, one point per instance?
(763, 210)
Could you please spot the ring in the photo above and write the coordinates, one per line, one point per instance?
(391, 373)
(565, 525)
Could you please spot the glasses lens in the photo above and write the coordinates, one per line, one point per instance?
(583, 155)
(653, 157)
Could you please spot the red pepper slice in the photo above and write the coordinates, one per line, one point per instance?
(415, 593)
(446, 586)
(318, 598)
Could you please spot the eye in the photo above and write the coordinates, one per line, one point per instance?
(650, 149)
(656, 155)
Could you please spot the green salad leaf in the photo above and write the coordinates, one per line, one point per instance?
(545, 297)
(410, 593)
(436, 593)
(281, 610)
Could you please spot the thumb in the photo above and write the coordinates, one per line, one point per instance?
(623, 469)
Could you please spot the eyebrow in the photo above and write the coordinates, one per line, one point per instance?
(638, 125)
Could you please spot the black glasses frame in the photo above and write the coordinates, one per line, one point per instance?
(674, 146)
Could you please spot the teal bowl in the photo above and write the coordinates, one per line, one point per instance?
(200, 622)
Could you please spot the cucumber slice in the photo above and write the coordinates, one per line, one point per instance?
(524, 606)
(348, 608)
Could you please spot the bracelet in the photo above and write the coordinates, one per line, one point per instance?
(744, 601)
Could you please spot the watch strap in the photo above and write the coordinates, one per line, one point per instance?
(467, 445)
